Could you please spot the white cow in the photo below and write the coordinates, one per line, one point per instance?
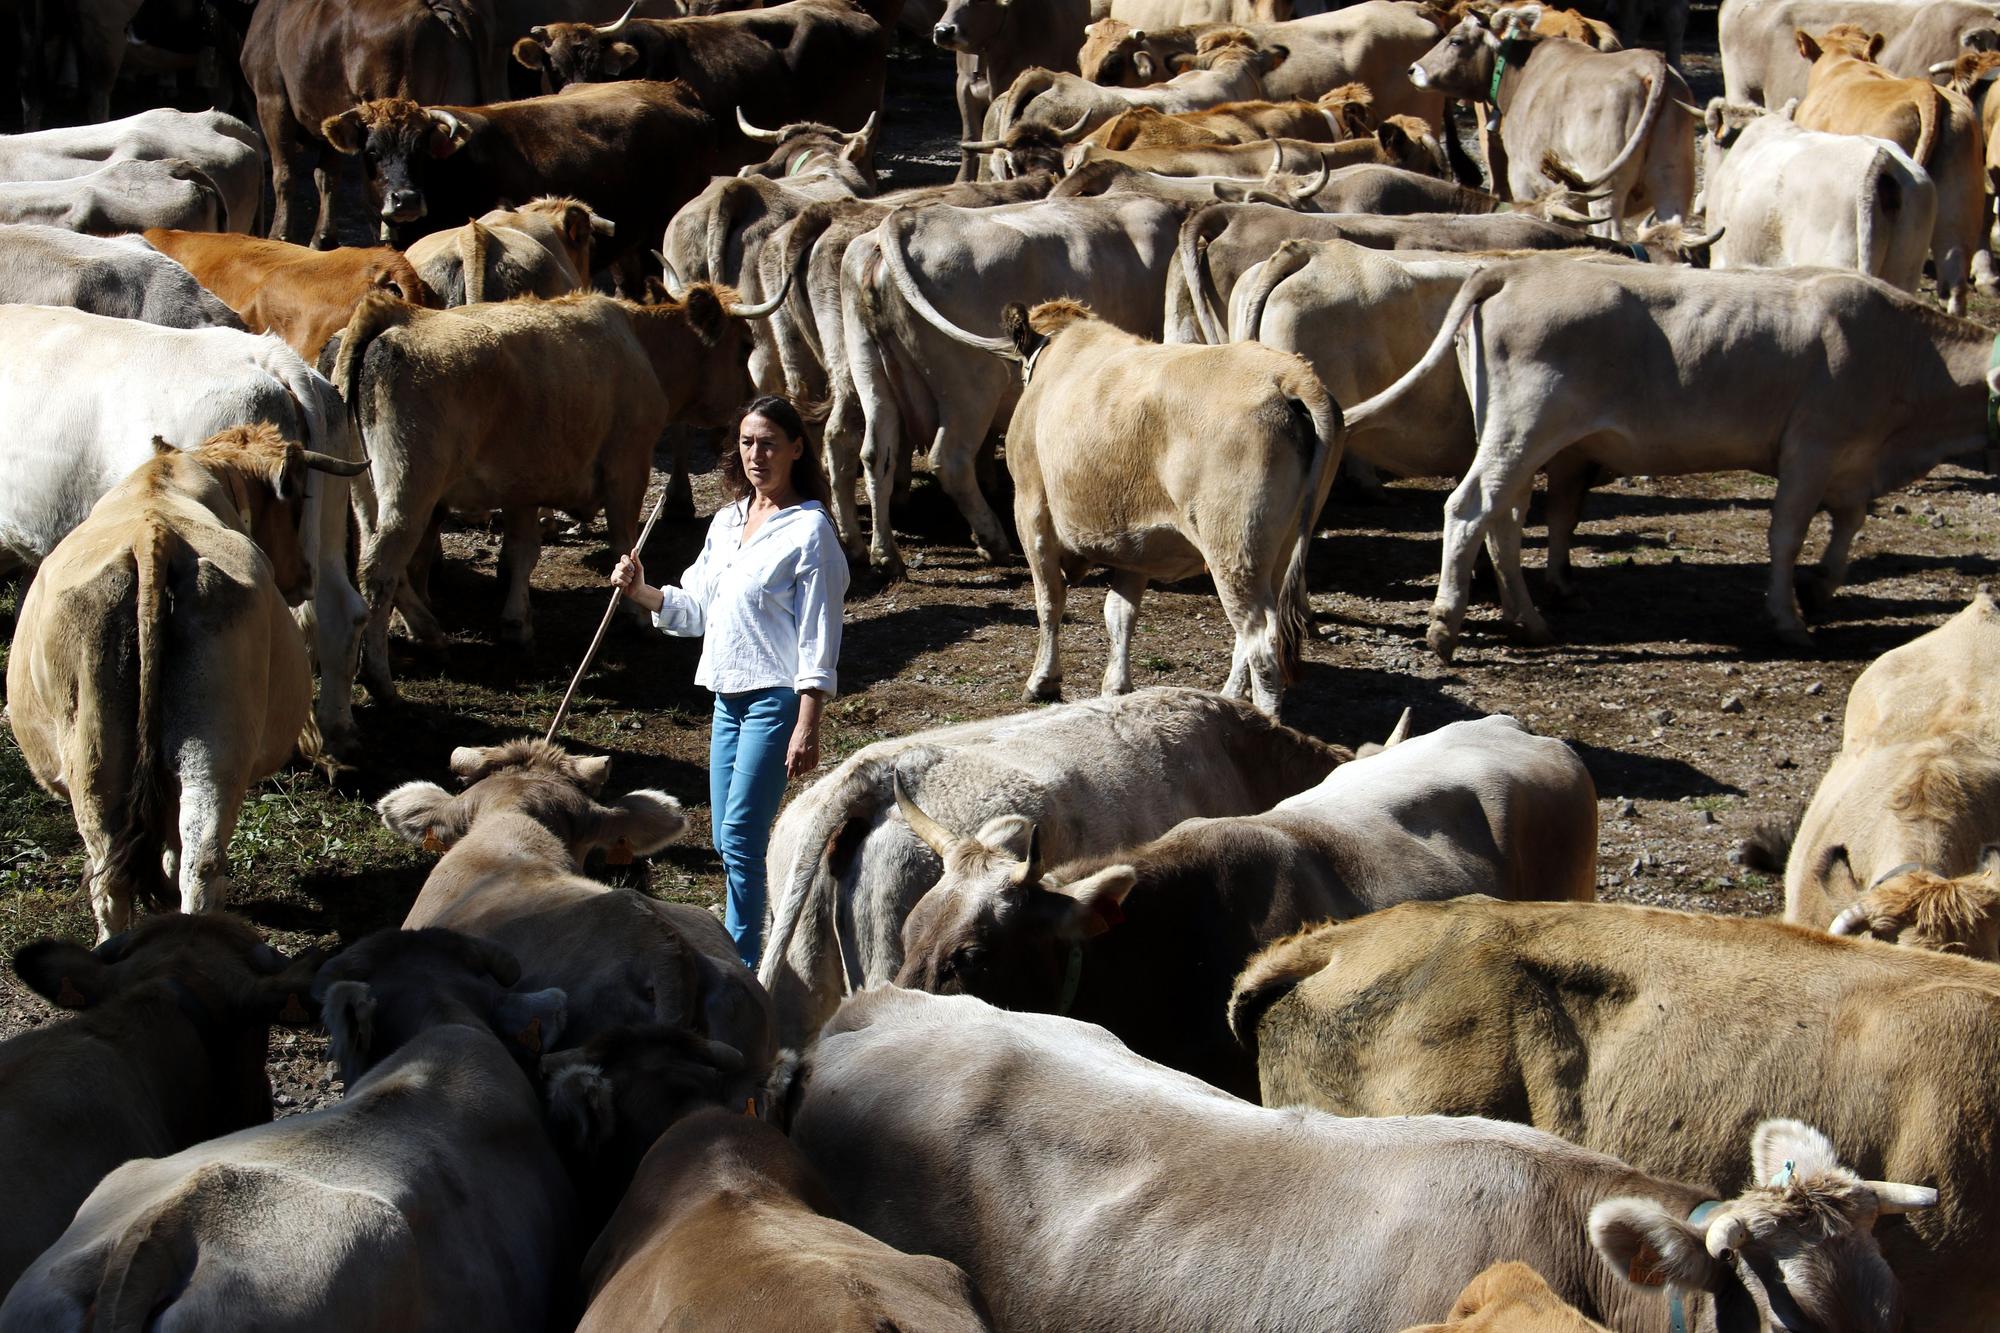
(221, 147)
(1787, 197)
(118, 197)
(81, 398)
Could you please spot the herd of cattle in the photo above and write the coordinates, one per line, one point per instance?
(1144, 1012)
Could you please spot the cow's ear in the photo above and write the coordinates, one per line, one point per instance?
(1781, 1146)
(619, 57)
(637, 824)
(592, 770)
(1712, 118)
(1650, 1247)
(576, 225)
(1874, 45)
(1143, 62)
(1097, 902)
(1012, 836)
(704, 313)
(1807, 46)
(531, 1020)
(1275, 56)
(349, 1014)
(582, 1110)
(67, 975)
(531, 53)
(345, 132)
(1014, 323)
(423, 813)
(1393, 139)
(1838, 877)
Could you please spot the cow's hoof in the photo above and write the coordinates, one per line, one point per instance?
(516, 634)
(1042, 692)
(992, 555)
(1535, 633)
(1814, 594)
(1797, 638)
(381, 690)
(890, 568)
(1442, 641)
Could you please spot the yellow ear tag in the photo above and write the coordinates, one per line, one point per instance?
(69, 997)
(619, 854)
(432, 842)
(1648, 1268)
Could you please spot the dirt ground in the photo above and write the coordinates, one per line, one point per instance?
(1694, 722)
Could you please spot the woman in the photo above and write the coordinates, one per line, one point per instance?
(765, 596)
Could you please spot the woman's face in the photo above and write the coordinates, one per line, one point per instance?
(767, 455)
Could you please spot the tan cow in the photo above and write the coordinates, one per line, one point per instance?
(303, 295)
(1340, 114)
(539, 249)
(157, 671)
(728, 1227)
(1511, 1298)
(1972, 76)
(1848, 93)
(165, 1047)
(1371, 43)
(1899, 834)
(1576, 27)
(1655, 1036)
(1586, 119)
(1176, 13)
(1122, 486)
(517, 405)
(514, 843)
(1759, 45)
(1400, 141)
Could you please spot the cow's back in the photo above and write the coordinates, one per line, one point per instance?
(1761, 64)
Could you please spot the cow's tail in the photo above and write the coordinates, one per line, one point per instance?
(1316, 412)
(806, 914)
(722, 225)
(1656, 97)
(806, 229)
(1768, 846)
(473, 243)
(1879, 189)
(1927, 127)
(1287, 259)
(378, 313)
(1271, 975)
(1200, 229)
(1478, 289)
(134, 854)
(146, 1268)
(891, 234)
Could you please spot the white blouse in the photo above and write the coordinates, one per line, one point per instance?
(768, 610)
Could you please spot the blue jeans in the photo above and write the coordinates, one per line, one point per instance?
(746, 781)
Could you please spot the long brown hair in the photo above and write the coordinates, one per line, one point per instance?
(808, 479)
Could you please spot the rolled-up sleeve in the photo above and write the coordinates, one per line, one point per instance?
(817, 592)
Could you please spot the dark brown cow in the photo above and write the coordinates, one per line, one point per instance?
(729, 1227)
(995, 41)
(305, 296)
(167, 1049)
(306, 60)
(804, 60)
(432, 167)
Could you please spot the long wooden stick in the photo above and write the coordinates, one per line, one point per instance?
(604, 625)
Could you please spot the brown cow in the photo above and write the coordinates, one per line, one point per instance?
(306, 60)
(451, 163)
(514, 844)
(1341, 114)
(1568, 23)
(167, 1048)
(504, 406)
(1848, 93)
(995, 42)
(804, 60)
(729, 1227)
(305, 296)
(1399, 141)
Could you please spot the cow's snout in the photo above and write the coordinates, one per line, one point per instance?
(1418, 77)
(944, 34)
(403, 205)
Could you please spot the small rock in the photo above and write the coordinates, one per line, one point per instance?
(1724, 882)
(1638, 865)
(1732, 703)
(1626, 808)
(1731, 669)
(1784, 761)
(281, 1099)
(1822, 718)
(1707, 818)
(1673, 538)
(1928, 508)
(1937, 520)
(1662, 716)
(1815, 689)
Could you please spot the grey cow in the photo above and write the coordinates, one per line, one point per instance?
(118, 276)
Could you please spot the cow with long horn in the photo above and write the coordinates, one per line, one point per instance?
(157, 671)
(504, 406)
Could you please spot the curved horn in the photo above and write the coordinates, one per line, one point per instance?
(1076, 129)
(1564, 213)
(1277, 167)
(339, 467)
(763, 309)
(981, 145)
(1943, 67)
(1727, 1236)
(1299, 194)
(675, 287)
(1400, 732)
(935, 835)
(1702, 240)
(752, 132)
(1891, 1197)
(618, 27)
(863, 135)
(452, 124)
(540, 34)
(1853, 920)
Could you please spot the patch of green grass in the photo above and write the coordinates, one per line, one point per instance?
(1715, 805)
(1156, 664)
